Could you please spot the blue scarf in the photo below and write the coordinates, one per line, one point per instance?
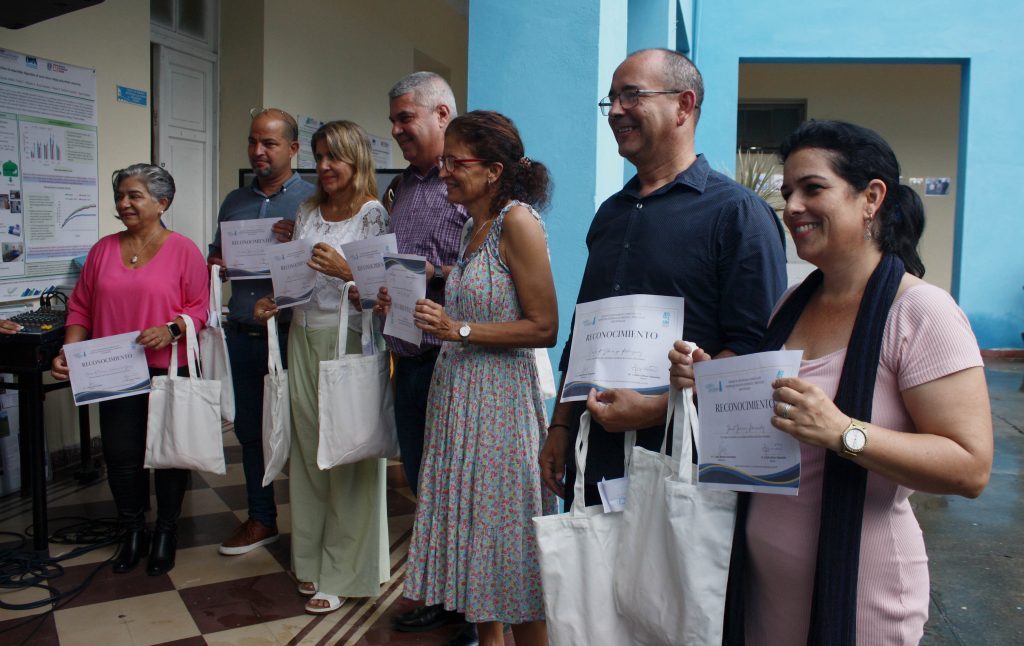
(834, 602)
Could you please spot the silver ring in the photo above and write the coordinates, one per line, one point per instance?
(785, 410)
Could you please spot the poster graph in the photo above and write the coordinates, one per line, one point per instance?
(48, 172)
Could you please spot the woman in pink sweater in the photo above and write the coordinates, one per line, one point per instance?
(142, 279)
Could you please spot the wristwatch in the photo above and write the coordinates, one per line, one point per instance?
(464, 332)
(855, 438)
(175, 331)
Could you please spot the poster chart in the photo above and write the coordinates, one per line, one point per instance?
(307, 127)
(49, 197)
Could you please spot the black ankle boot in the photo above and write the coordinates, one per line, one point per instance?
(134, 544)
(161, 556)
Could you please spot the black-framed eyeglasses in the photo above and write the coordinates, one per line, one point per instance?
(629, 97)
(449, 162)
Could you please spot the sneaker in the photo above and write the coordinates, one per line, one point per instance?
(249, 535)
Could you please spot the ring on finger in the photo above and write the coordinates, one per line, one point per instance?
(785, 410)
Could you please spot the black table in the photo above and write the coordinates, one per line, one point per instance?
(28, 356)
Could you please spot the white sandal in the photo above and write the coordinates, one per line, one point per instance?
(333, 603)
(308, 592)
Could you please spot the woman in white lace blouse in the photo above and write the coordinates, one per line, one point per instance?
(339, 518)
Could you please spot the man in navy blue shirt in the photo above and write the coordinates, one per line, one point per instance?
(677, 228)
(275, 193)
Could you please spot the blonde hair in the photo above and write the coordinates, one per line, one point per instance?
(347, 142)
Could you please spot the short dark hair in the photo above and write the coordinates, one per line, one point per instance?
(860, 155)
(493, 137)
(292, 130)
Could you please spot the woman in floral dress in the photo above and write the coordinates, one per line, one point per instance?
(473, 547)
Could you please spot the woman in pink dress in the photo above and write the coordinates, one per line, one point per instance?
(891, 399)
(141, 278)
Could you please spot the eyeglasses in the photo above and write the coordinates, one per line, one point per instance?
(449, 162)
(629, 97)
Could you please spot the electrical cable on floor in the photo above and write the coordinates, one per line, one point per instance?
(21, 568)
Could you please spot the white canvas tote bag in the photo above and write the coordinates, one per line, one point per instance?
(673, 563)
(357, 409)
(577, 555)
(277, 414)
(213, 349)
(183, 429)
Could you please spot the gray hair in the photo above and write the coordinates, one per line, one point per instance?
(429, 90)
(679, 73)
(158, 182)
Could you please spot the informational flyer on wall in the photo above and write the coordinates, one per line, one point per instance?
(48, 169)
(307, 126)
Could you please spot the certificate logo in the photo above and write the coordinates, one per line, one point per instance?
(666, 319)
(713, 387)
(590, 322)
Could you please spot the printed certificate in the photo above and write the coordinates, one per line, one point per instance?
(366, 259)
(289, 269)
(739, 449)
(406, 280)
(107, 368)
(244, 245)
(623, 342)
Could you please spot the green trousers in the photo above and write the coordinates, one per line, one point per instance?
(339, 516)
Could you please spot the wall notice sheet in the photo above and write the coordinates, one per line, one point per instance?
(49, 196)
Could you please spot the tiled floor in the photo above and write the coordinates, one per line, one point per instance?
(207, 598)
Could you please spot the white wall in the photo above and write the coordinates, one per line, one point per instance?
(112, 38)
(329, 59)
(916, 108)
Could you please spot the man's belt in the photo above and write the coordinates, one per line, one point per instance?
(246, 328)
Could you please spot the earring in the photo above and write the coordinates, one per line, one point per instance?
(867, 230)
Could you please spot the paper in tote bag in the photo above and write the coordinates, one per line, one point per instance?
(277, 414)
(183, 430)
(673, 563)
(577, 554)
(213, 349)
(357, 410)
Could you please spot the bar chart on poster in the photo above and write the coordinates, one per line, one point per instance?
(48, 172)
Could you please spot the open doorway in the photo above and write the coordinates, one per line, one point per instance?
(914, 106)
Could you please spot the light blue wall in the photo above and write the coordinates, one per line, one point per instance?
(546, 63)
(989, 269)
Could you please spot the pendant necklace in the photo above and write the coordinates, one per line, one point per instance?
(135, 258)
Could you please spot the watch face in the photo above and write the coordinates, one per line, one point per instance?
(854, 440)
(464, 331)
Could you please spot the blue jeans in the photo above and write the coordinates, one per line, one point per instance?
(247, 348)
(412, 387)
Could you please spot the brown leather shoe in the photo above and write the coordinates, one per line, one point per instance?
(249, 535)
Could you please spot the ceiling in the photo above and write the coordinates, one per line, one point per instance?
(22, 13)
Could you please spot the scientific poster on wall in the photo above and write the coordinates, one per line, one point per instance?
(307, 126)
(49, 197)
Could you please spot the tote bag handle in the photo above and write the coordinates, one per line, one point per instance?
(274, 364)
(579, 503)
(681, 418)
(216, 289)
